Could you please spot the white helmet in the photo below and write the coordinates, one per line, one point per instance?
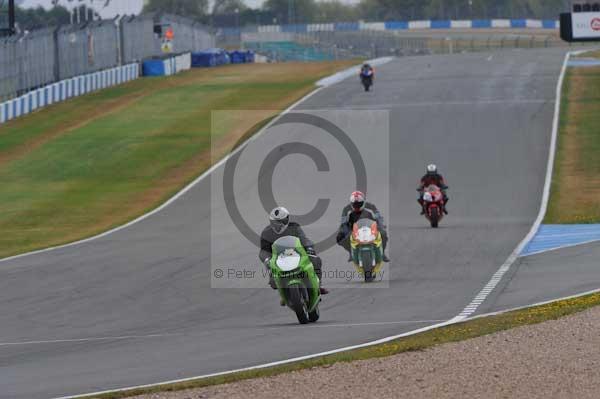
(431, 169)
(279, 219)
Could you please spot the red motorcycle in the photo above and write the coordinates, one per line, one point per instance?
(434, 204)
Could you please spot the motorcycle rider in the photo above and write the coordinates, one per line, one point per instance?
(280, 226)
(359, 208)
(367, 69)
(432, 177)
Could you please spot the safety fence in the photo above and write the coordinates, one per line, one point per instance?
(225, 34)
(334, 45)
(66, 89)
(33, 59)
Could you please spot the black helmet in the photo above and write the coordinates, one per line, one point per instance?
(279, 218)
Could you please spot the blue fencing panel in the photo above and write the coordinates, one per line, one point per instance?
(440, 24)
(482, 23)
(549, 24)
(394, 25)
(204, 59)
(237, 57)
(518, 23)
(152, 68)
(346, 26)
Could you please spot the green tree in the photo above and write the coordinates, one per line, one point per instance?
(301, 11)
(228, 7)
(36, 18)
(197, 9)
(335, 11)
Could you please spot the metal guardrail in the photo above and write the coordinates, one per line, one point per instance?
(373, 44)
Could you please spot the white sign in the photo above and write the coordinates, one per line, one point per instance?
(586, 25)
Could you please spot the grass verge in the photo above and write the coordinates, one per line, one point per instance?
(575, 190)
(452, 333)
(81, 167)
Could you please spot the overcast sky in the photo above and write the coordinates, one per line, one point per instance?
(118, 6)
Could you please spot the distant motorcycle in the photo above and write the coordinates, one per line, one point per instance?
(295, 278)
(434, 204)
(367, 249)
(366, 77)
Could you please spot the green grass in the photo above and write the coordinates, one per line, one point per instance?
(457, 332)
(589, 54)
(575, 190)
(80, 167)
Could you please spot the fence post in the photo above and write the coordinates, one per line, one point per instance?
(56, 55)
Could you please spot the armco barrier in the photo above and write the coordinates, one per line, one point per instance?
(66, 89)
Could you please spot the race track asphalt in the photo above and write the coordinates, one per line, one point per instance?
(484, 119)
(547, 276)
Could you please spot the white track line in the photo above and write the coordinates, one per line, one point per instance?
(482, 295)
(497, 277)
(267, 365)
(75, 340)
(162, 335)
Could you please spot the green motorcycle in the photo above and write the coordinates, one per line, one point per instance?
(295, 278)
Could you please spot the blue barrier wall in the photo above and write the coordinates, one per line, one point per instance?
(481, 23)
(394, 25)
(440, 24)
(518, 23)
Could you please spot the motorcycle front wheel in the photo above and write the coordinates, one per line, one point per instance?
(435, 218)
(298, 304)
(367, 265)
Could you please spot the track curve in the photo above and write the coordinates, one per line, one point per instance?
(135, 307)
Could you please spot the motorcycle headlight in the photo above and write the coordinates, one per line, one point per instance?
(288, 263)
(365, 235)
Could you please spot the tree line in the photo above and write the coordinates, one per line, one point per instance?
(235, 13)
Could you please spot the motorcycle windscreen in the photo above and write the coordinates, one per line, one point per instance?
(286, 252)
